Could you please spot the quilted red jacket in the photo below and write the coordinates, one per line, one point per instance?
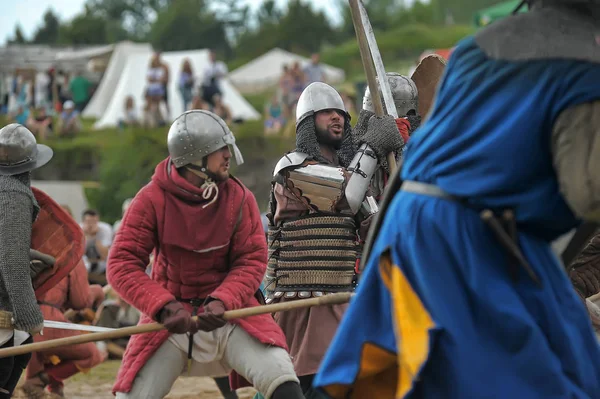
(200, 249)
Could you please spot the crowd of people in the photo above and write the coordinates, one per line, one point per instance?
(195, 92)
(294, 79)
(27, 97)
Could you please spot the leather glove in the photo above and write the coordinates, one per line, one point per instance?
(175, 318)
(211, 319)
(383, 136)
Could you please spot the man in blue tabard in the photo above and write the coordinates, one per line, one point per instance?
(462, 296)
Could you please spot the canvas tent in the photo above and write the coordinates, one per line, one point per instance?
(264, 72)
(70, 193)
(130, 80)
(43, 57)
(110, 80)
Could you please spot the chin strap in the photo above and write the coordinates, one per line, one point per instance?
(208, 187)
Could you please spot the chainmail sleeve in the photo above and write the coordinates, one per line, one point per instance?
(16, 210)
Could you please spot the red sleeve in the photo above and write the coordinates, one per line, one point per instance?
(130, 254)
(80, 296)
(403, 127)
(248, 259)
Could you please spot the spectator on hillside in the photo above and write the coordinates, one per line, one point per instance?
(69, 120)
(186, 83)
(130, 116)
(286, 83)
(199, 103)
(80, 89)
(40, 123)
(221, 109)
(314, 71)
(274, 118)
(21, 116)
(98, 239)
(165, 81)
(156, 90)
(152, 116)
(298, 84)
(41, 90)
(213, 73)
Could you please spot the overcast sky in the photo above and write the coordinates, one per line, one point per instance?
(29, 13)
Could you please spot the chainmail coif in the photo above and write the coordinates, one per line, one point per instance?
(18, 210)
(306, 142)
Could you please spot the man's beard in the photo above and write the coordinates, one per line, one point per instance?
(325, 138)
(220, 177)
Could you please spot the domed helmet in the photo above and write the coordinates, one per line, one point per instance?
(19, 151)
(197, 133)
(404, 92)
(317, 97)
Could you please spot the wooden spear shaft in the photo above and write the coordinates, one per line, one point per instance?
(371, 74)
(332, 299)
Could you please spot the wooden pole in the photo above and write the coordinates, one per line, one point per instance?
(367, 61)
(331, 299)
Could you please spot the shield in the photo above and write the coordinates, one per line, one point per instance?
(55, 233)
(427, 77)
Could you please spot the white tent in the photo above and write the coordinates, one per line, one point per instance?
(110, 80)
(264, 72)
(132, 82)
(68, 193)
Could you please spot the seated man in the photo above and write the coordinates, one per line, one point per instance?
(40, 123)
(98, 237)
(69, 121)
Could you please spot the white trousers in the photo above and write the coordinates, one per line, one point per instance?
(266, 367)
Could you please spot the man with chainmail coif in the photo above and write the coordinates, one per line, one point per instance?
(470, 299)
(406, 99)
(20, 316)
(320, 210)
(204, 229)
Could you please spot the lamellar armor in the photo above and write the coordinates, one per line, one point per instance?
(317, 253)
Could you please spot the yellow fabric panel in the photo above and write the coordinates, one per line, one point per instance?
(376, 378)
(412, 323)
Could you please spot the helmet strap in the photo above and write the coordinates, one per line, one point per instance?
(209, 186)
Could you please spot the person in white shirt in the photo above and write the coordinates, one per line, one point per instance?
(98, 238)
(213, 73)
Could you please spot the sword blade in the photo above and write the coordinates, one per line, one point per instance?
(388, 99)
(74, 327)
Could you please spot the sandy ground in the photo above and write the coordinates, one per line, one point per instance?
(98, 382)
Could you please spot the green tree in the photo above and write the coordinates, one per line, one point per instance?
(187, 25)
(90, 28)
(18, 37)
(48, 32)
(299, 28)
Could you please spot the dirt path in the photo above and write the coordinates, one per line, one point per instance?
(97, 384)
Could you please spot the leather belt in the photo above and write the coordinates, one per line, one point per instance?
(196, 302)
(430, 190)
